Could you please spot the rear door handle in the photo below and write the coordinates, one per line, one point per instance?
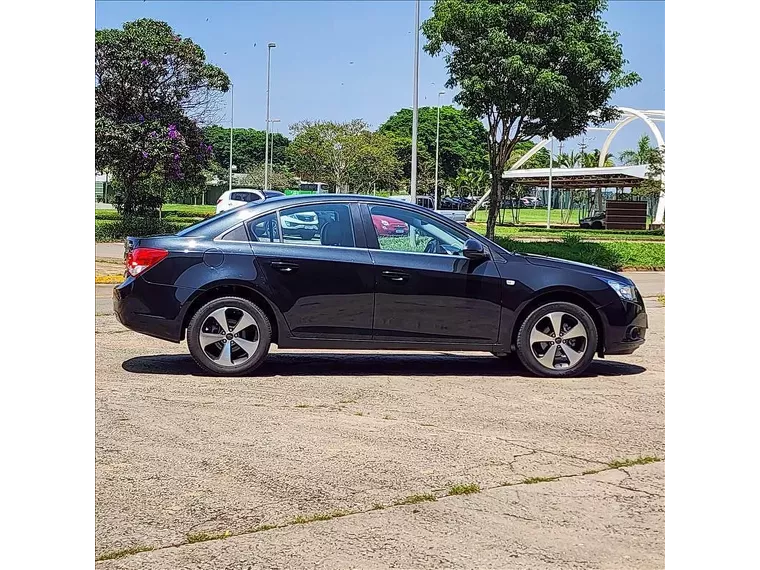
(395, 275)
(284, 267)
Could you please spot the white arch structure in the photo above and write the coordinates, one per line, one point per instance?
(628, 116)
(649, 117)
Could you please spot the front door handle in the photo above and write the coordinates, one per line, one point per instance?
(395, 275)
(284, 267)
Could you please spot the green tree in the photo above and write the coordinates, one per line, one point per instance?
(376, 163)
(151, 90)
(462, 141)
(280, 178)
(247, 146)
(326, 151)
(470, 181)
(591, 160)
(530, 68)
(640, 155)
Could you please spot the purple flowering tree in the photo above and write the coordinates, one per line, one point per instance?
(153, 92)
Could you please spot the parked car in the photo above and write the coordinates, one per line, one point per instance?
(234, 198)
(427, 202)
(385, 226)
(232, 285)
(594, 222)
(304, 225)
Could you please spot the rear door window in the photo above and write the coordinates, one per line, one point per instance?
(264, 229)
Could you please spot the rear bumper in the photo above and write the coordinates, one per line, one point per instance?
(147, 308)
(626, 328)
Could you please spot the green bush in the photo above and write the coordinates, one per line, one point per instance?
(117, 230)
(614, 255)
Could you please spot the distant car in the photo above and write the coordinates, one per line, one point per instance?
(242, 196)
(385, 226)
(530, 202)
(304, 225)
(595, 222)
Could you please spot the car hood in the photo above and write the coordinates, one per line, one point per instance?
(554, 262)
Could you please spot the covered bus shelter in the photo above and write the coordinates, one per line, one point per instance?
(600, 177)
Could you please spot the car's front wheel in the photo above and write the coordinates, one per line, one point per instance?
(557, 340)
(229, 336)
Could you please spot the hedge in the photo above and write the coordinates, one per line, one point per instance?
(615, 255)
(117, 230)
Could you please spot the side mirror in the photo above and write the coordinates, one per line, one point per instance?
(473, 249)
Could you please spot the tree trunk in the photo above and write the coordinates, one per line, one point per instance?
(495, 204)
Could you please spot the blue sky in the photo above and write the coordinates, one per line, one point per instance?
(313, 76)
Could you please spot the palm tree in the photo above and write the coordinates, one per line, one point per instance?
(591, 160)
(568, 160)
(640, 155)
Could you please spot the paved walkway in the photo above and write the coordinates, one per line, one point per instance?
(109, 250)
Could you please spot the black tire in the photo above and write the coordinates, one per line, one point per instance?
(262, 333)
(597, 225)
(563, 368)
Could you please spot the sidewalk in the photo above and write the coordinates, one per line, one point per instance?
(109, 250)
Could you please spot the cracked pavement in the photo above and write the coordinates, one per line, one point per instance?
(178, 452)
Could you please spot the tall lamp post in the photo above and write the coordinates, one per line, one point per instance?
(232, 126)
(413, 181)
(437, 137)
(271, 147)
(551, 166)
(270, 45)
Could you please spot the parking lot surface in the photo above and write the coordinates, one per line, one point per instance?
(349, 436)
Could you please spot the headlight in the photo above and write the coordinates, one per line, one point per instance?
(626, 292)
(288, 224)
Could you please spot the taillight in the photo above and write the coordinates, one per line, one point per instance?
(142, 258)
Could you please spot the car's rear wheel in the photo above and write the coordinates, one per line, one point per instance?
(229, 336)
(597, 225)
(557, 340)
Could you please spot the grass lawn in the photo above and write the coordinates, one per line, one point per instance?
(535, 216)
(538, 232)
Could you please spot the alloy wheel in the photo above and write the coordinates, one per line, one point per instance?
(229, 336)
(558, 340)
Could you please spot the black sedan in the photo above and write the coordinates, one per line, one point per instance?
(237, 282)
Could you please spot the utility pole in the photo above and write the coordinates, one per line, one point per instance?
(270, 45)
(413, 181)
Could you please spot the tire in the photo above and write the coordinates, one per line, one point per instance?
(540, 324)
(597, 226)
(229, 356)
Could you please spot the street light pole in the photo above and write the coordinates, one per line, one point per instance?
(271, 148)
(413, 181)
(551, 166)
(270, 45)
(437, 137)
(232, 126)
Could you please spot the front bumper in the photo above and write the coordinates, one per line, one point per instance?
(625, 329)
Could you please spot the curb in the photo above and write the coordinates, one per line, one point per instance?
(108, 279)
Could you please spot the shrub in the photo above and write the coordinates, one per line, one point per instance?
(614, 255)
(117, 230)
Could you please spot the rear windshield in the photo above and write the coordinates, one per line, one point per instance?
(211, 220)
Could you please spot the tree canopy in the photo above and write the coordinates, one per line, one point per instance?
(247, 147)
(462, 142)
(529, 68)
(342, 154)
(151, 89)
